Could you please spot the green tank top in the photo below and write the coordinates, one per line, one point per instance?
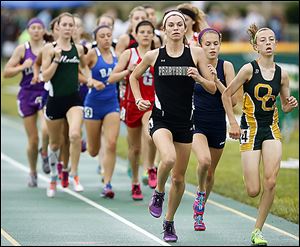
(65, 79)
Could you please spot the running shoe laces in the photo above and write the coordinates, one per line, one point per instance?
(257, 238)
(158, 199)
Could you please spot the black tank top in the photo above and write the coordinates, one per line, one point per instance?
(173, 88)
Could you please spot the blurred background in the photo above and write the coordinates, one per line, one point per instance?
(230, 18)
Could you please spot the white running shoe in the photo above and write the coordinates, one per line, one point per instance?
(76, 184)
(52, 189)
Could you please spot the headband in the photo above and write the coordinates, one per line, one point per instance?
(99, 27)
(207, 30)
(173, 12)
(34, 21)
(255, 36)
(188, 12)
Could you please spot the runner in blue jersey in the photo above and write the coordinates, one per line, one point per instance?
(101, 106)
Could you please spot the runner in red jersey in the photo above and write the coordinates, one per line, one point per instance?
(136, 120)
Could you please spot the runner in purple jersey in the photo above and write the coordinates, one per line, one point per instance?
(30, 94)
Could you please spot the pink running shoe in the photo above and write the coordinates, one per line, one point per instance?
(59, 167)
(65, 179)
(199, 224)
(136, 192)
(152, 179)
(107, 191)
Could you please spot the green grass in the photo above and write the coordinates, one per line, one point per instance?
(228, 177)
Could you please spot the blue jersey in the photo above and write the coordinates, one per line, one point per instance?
(209, 107)
(101, 71)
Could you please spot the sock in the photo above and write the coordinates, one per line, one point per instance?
(53, 159)
(201, 193)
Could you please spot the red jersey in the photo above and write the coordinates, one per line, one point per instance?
(146, 81)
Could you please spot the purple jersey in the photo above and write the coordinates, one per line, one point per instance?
(28, 72)
(30, 97)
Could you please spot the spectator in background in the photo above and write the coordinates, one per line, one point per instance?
(216, 18)
(252, 16)
(233, 25)
(89, 19)
(10, 35)
(277, 22)
(119, 25)
(46, 16)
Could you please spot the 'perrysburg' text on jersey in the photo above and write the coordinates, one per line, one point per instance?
(172, 70)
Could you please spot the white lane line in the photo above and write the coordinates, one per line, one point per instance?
(9, 238)
(14, 124)
(88, 201)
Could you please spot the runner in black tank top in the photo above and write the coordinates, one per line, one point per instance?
(171, 76)
(176, 70)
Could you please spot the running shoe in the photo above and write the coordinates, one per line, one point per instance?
(59, 167)
(83, 145)
(257, 238)
(51, 190)
(156, 203)
(32, 180)
(136, 192)
(152, 181)
(76, 184)
(45, 162)
(169, 231)
(199, 203)
(145, 177)
(199, 224)
(107, 191)
(65, 179)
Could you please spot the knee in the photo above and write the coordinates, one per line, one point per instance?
(253, 191)
(204, 163)
(177, 181)
(92, 151)
(34, 142)
(111, 146)
(74, 137)
(168, 161)
(270, 183)
(135, 151)
(54, 146)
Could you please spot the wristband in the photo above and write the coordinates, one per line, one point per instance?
(56, 61)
